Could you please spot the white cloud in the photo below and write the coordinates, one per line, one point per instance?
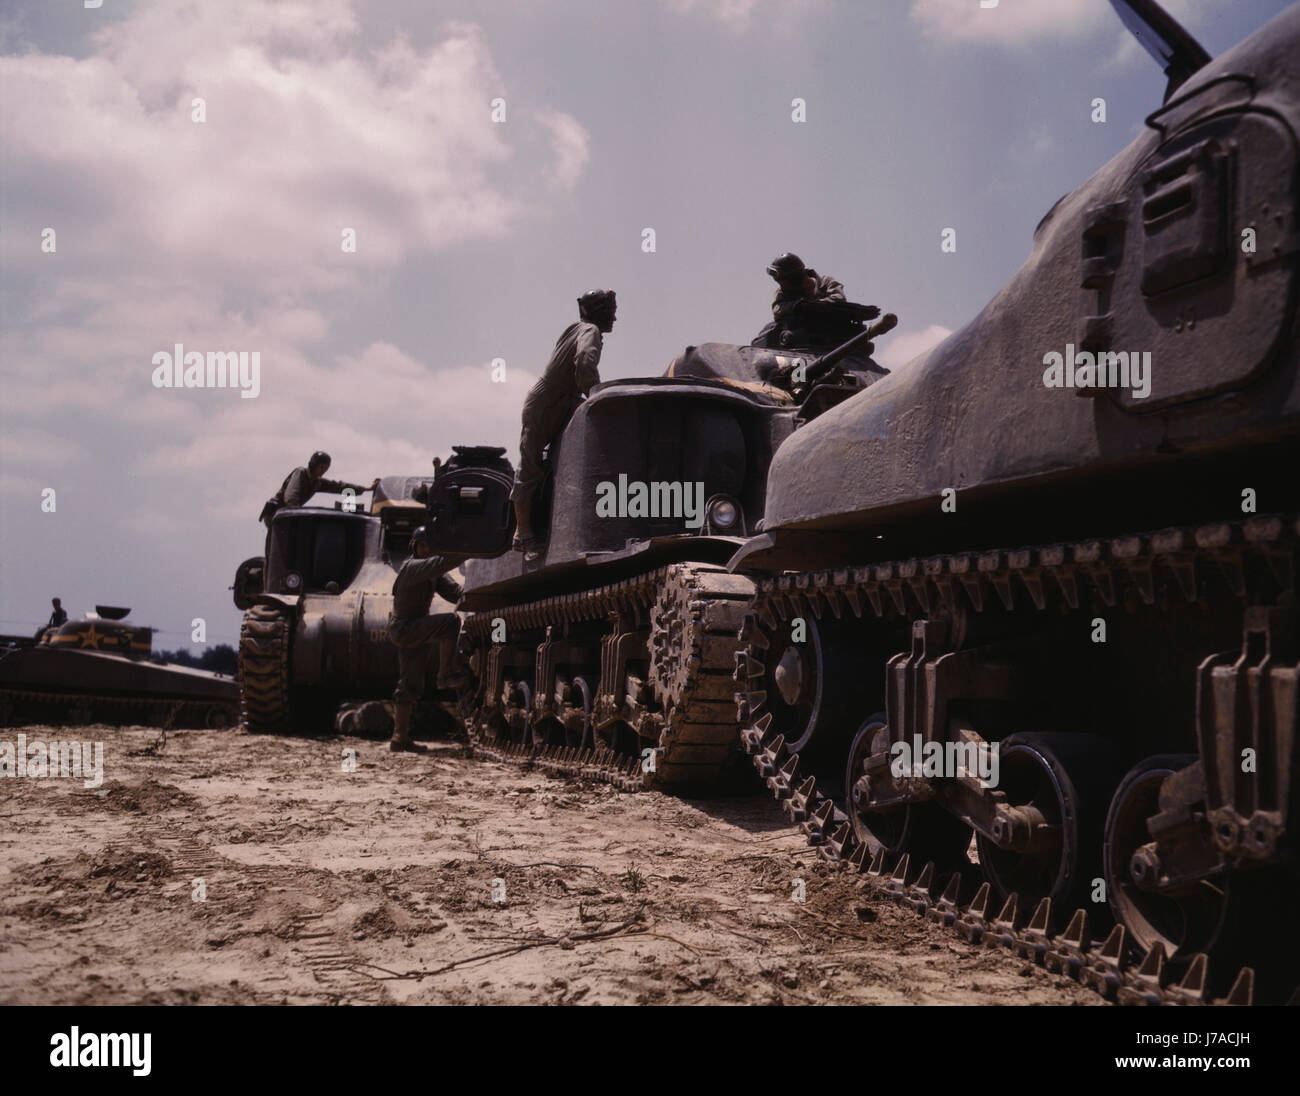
(304, 136)
(1012, 22)
(903, 348)
(739, 16)
(225, 235)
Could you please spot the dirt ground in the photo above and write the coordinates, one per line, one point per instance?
(217, 867)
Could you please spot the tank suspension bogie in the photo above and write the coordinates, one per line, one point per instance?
(1066, 664)
(631, 682)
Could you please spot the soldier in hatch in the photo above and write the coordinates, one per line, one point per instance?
(414, 632)
(57, 619)
(569, 375)
(798, 283)
(806, 309)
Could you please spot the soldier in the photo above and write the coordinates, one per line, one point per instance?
(414, 631)
(568, 377)
(799, 283)
(300, 484)
(57, 618)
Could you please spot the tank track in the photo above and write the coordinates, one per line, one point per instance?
(82, 708)
(1111, 967)
(694, 614)
(264, 669)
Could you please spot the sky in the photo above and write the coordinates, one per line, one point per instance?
(492, 161)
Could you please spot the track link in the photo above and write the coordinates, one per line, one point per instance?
(264, 669)
(1112, 967)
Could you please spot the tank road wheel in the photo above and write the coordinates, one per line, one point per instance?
(1183, 923)
(925, 831)
(518, 711)
(1067, 779)
(1240, 918)
(264, 669)
(576, 698)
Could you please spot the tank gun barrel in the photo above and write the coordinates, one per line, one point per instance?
(819, 366)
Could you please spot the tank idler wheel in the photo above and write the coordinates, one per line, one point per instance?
(924, 831)
(1065, 781)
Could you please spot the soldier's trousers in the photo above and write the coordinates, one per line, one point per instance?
(544, 420)
(414, 639)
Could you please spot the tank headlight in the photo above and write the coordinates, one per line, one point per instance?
(723, 513)
(293, 580)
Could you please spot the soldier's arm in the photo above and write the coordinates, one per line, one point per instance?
(448, 588)
(431, 568)
(337, 487)
(783, 303)
(586, 359)
(296, 493)
(831, 290)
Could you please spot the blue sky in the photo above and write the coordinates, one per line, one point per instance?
(473, 238)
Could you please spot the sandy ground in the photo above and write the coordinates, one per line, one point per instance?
(322, 885)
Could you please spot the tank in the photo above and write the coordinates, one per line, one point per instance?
(614, 651)
(101, 670)
(990, 556)
(316, 605)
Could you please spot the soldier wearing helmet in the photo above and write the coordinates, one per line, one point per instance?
(569, 375)
(414, 631)
(799, 283)
(300, 484)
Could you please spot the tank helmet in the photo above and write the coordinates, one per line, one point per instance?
(785, 266)
(319, 457)
(420, 536)
(596, 303)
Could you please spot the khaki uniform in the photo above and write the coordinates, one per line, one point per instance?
(569, 376)
(826, 289)
(410, 627)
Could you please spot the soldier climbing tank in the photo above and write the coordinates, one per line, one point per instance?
(1069, 532)
(612, 654)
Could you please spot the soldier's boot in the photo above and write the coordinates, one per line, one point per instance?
(451, 675)
(401, 740)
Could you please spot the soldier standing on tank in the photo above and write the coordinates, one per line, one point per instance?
(568, 377)
(57, 619)
(300, 484)
(414, 632)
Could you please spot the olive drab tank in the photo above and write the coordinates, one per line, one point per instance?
(1068, 534)
(315, 628)
(613, 652)
(101, 670)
